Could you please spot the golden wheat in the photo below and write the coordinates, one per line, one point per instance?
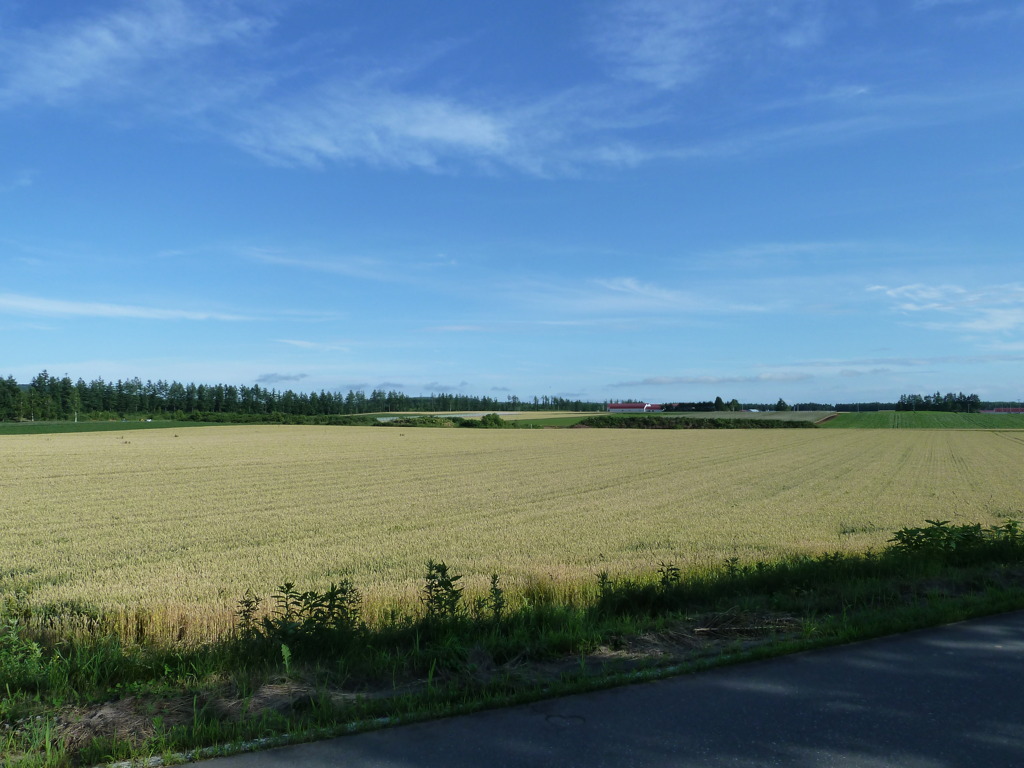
(177, 526)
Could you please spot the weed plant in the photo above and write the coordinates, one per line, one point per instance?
(457, 650)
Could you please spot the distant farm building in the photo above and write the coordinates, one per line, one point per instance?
(635, 408)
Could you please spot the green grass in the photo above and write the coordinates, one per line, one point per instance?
(924, 420)
(569, 421)
(812, 416)
(557, 421)
(460, 658)
(60, 427)
(873, 420)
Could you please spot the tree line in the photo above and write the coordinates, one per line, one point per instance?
(957, 403)
(48, 398)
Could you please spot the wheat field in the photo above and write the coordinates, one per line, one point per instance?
(177, 525)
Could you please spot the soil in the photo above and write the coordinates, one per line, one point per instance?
(137, 718)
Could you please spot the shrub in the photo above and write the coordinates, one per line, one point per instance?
(960, 544)
(307, 622)
(441, 594)
(21, 660)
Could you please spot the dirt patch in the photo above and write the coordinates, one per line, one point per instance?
(709, 635)
(136, 719)
(132, 719)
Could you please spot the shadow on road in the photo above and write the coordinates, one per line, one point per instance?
(930, 699)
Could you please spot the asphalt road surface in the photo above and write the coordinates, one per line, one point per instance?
(952, 696)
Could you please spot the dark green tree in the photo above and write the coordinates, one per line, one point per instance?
(10, 399)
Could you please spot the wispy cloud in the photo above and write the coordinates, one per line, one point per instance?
(373, 113)
(35, 306)
(987, 309)
(19, 180)
(919, 297)
(646, 294)
(280, 378)
(315, 345)
(666, 44)
(436, 386)
(669, 381)
(977, 12)
(619, 295)
(349, 266)
(101, 54)
(370, 123)
(860, 366)
(1005, 13)
(399, 113)
(853, 373)
(773, 251)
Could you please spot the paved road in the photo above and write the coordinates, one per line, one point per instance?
(939, 698)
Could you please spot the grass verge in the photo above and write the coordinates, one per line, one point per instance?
(306, 665)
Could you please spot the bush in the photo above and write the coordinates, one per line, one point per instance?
(960, 544)
(492, 421)
(441, 593)
(21, 661)
(307, 622)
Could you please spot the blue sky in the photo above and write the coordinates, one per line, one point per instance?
(756, 199)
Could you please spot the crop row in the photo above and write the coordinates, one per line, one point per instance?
(176, 525)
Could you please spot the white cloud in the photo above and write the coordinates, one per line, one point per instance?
(195, 63)
(665, 44)
(314, 345)
(852, 373)
(435, 386)
(626, 295)
(859, 366)
(362, 113)
(280, 378)
(920, 297)
(987, 309)
(20, 180)
(1001, 15)
(666, 381)
(364, 267)
(31, 305)
(371, 123)
(995, 320)
(350, 266)
(977, 12)
(647, 294)
(101, 54)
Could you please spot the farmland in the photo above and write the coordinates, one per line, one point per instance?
(566, 420)
(177, 524)
(925, 420)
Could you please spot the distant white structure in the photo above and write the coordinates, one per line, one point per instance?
(635, 408)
